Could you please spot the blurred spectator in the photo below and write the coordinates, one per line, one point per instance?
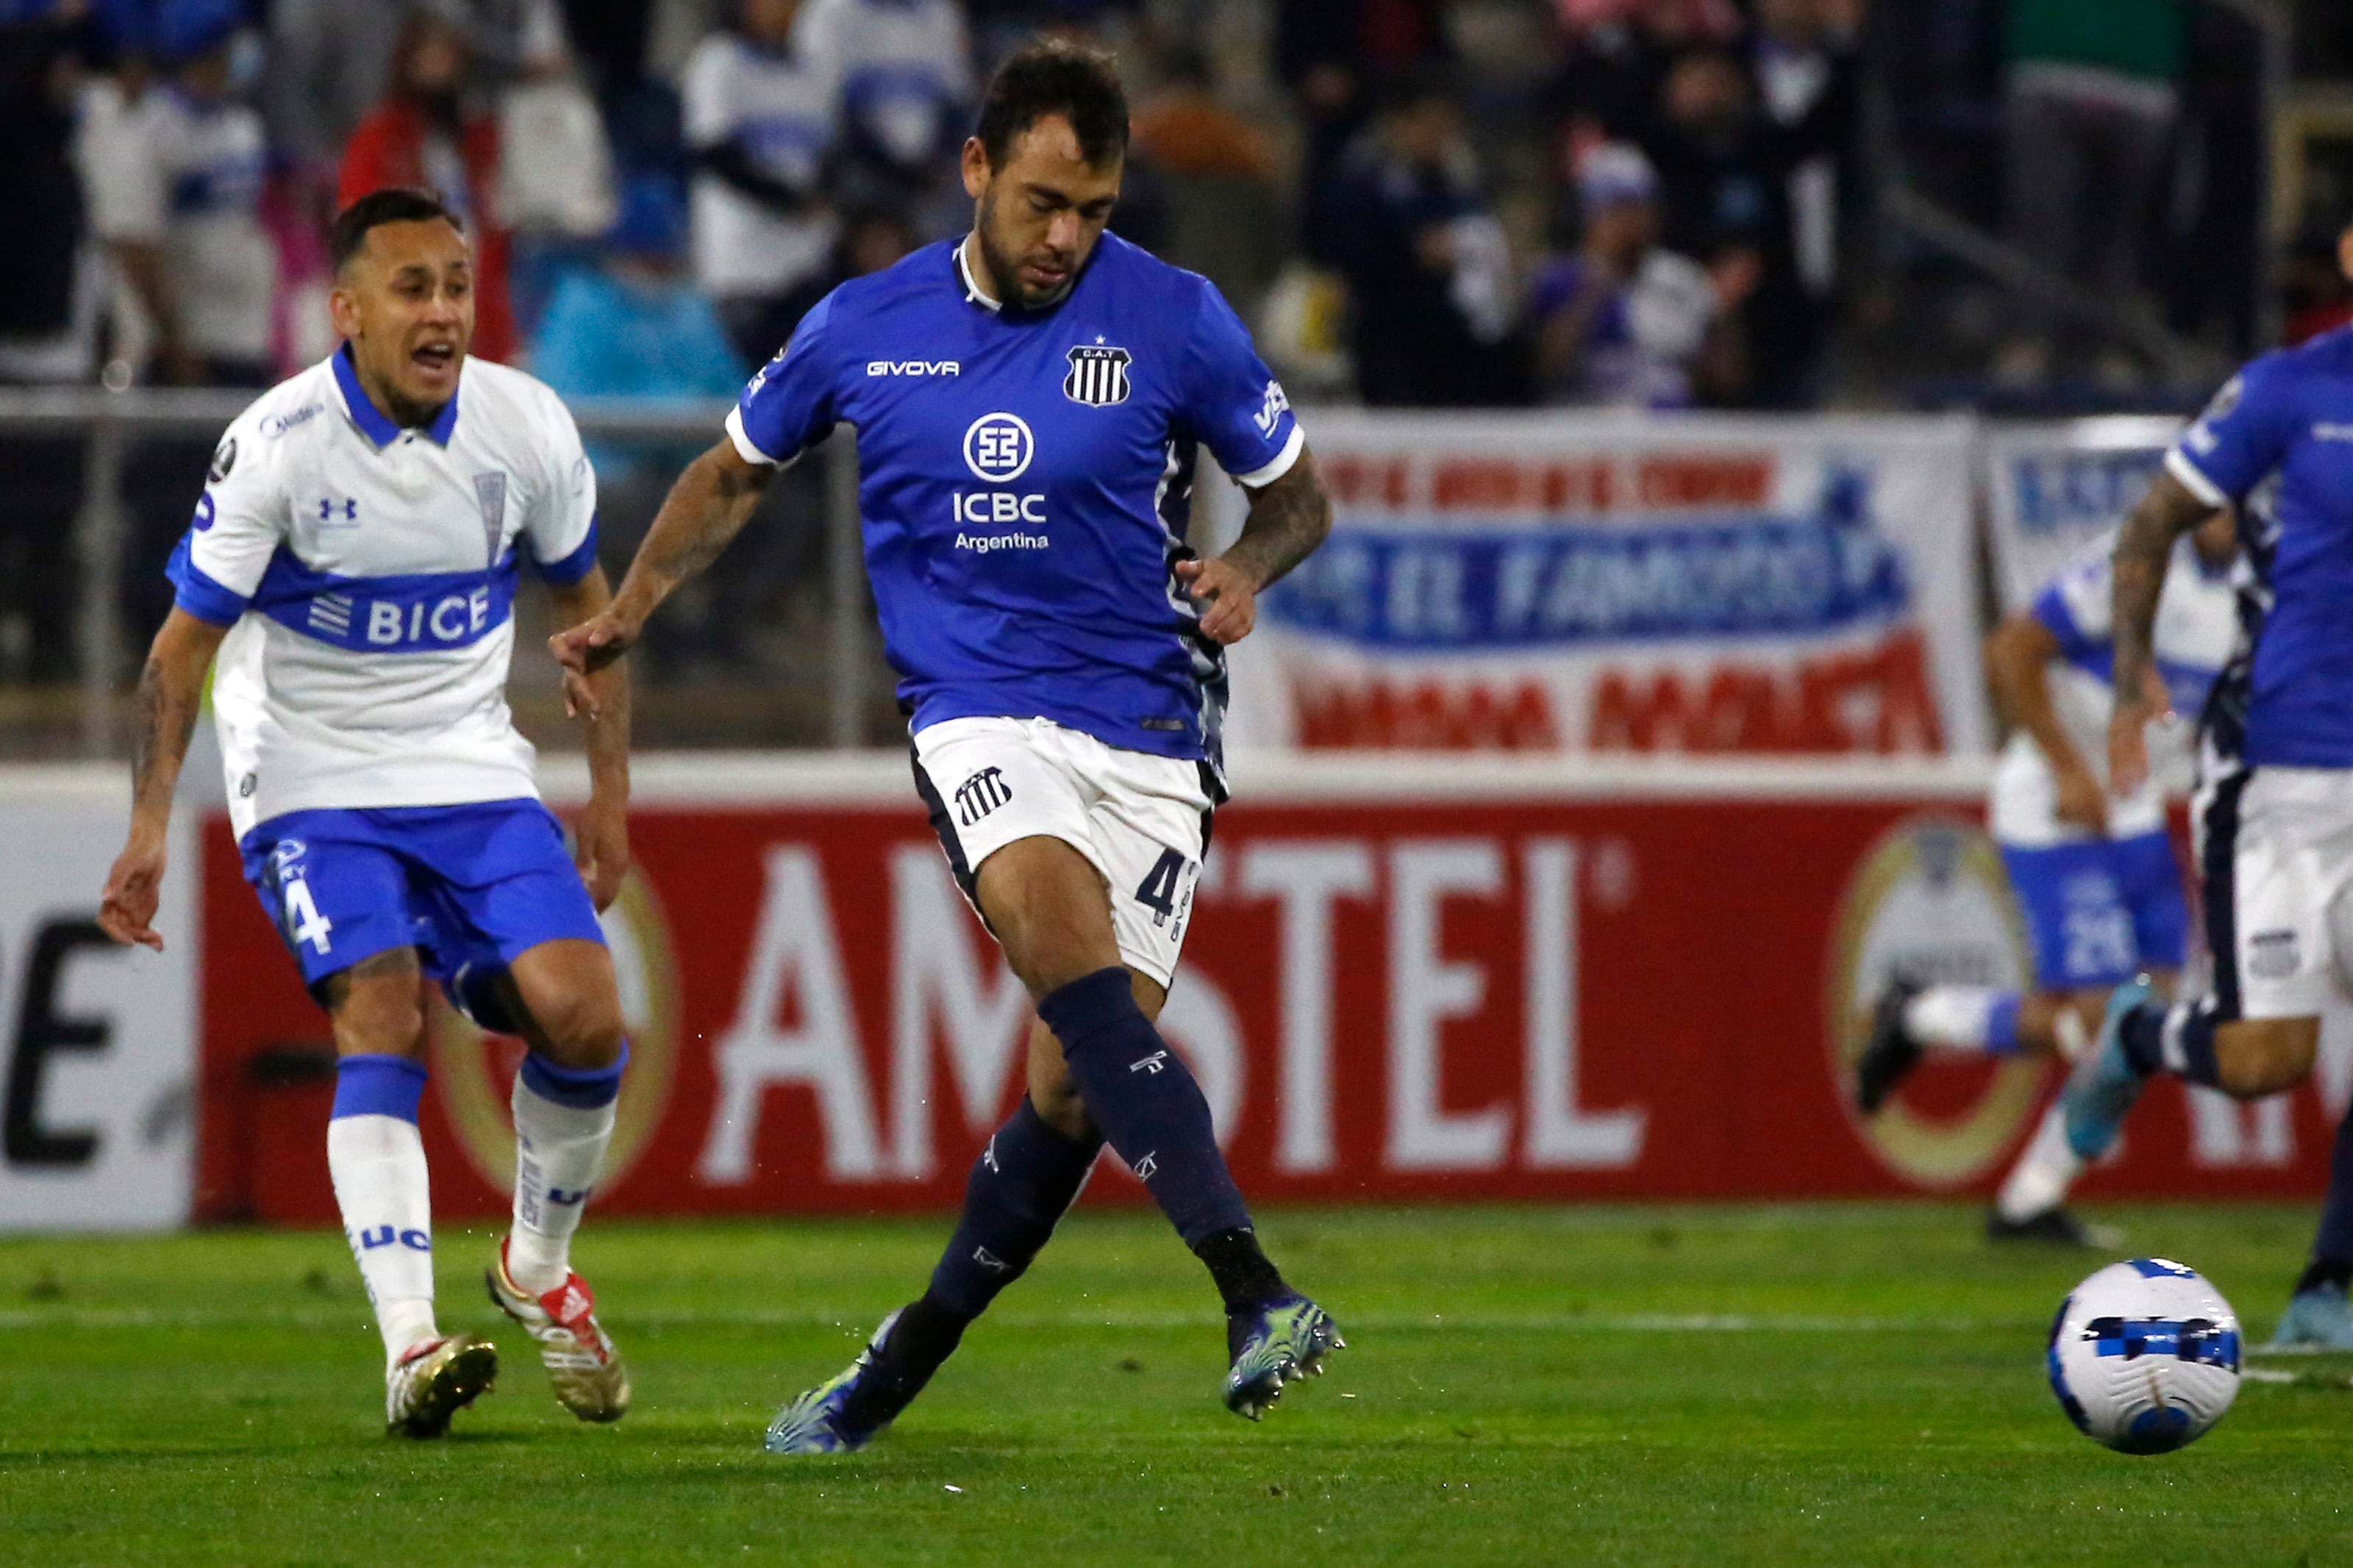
(330, 63)
(2313, 295)
(1407, 224)
(507, 40)
(172, 169)
(1608, 88)
(1803, 62)
(1217, 173)
(1625, 322)
(760, 123)
(427, 133)
(555, 173)
(2093, 90)
(904, 70)
(45, 303)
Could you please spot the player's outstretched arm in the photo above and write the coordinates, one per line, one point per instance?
(2018, 655)
(171, 695)
(1288, 519)
(601, 835)
(704, 509)
(2144, 550)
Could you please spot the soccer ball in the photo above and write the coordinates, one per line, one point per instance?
(2145, 1355)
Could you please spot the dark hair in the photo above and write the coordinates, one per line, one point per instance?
(394, 203)
(1052, 77)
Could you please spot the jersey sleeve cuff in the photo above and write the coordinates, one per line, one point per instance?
(206, 598)
(1283, 461)
(2178, 463)
(746, 447)
(574, 566)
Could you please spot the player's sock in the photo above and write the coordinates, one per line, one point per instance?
(1019, 1187)
(563, 1120)
(2180, 1039)
(1142, 1096)
(377, 1163)
(2332, 1246)
(2039, 1182)
(1964, 1019)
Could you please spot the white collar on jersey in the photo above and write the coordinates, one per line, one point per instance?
(972, 292)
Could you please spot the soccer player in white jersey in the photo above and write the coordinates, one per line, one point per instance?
(352, 564)
(2095, 878)
(1030, 401)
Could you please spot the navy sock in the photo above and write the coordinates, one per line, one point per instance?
(1019, 1188)
(2141, 1032)
(2185, 1039)
(1143, 1098)
(2332, 1246)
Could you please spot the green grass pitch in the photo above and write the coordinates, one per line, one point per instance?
(1847, 1384)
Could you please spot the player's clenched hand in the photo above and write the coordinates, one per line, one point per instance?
(2128, 732)
(588, 648)
(2080, 802)
(600, 849)
(133, 888)
(1227, 594)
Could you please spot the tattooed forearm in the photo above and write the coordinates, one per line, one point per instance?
(701, 515)
(1288, 519)
(171, 695)
(2144, 549)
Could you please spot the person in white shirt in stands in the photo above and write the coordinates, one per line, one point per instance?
(905, 72)
(173, 174)
(760, 123)
(352, 563)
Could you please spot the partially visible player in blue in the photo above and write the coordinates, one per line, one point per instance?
(1029, 402)
(2275, 812)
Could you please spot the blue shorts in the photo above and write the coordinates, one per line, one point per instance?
(464, 885)
(2101, 911)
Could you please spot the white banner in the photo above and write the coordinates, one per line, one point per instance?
(2053, 491)
(96, 1125)
(1597, 584)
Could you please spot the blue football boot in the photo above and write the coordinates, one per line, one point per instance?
(2318, 1319)
(822, 1420)
(1274, 1345)
(2101, 1090)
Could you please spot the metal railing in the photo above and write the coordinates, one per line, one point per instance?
(109, 425)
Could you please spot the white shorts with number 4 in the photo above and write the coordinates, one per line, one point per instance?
(1142, 821)
(2278, 855)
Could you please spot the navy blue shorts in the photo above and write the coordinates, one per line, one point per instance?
(475, 884)
(2101, 911)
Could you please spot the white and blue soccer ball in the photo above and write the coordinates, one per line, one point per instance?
(2145, 1355)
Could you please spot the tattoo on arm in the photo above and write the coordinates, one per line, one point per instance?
(704, 512)
(171, 695)
(1288, 519)
(2144, 549)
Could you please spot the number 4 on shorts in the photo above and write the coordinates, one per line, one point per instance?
(303, 921)
(1158, 891)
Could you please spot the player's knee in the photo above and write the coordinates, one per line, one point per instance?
(582, 1031)
(2256, 1057)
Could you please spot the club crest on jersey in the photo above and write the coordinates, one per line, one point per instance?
(490, 490)
(1098, 375)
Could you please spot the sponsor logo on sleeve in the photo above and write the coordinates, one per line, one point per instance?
(1271, 409)
(224, 459)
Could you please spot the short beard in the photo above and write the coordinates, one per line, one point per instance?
(1003, 273)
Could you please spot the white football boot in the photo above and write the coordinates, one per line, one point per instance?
(590, 1379)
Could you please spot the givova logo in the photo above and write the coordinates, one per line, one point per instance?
(1930, 903)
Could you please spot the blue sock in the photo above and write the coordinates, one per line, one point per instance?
(1143, 1098)
(1018, 1190)
(582, 1088)
(2001, 1025)
(2332, 1248)
(371, 1085)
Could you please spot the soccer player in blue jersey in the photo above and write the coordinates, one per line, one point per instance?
(2274, 810)
(352, 564)
(1028, 401)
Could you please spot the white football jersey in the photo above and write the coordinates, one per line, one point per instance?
(2197, 631)
(367, 575)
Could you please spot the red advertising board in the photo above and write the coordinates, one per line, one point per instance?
(1403, 981)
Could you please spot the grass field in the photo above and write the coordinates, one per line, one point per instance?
(1847, 1383)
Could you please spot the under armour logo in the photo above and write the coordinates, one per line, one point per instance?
(1154, 1064)
(350, 507)
(990, 1261)
(980, 795)
(1145, 1167)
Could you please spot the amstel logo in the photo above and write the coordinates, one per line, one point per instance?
(475, 1072)
(1930, 903)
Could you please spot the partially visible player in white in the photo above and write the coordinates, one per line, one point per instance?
(2096, 877)
(352, 563)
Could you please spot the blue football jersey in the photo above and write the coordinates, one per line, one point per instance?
(2278, 442)
(1025, 482)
